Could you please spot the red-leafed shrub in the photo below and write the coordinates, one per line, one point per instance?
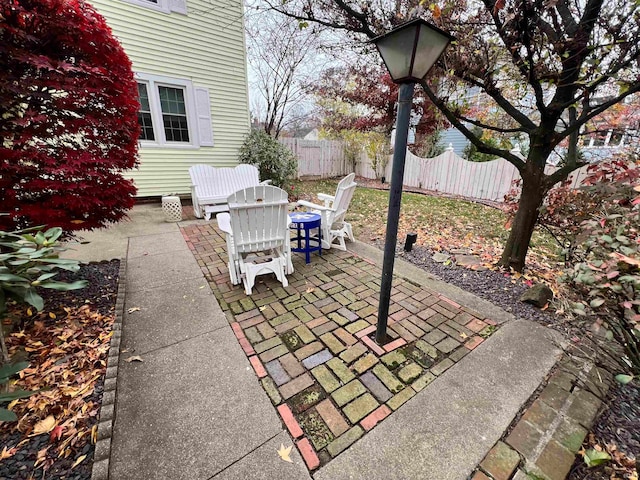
(68, 117)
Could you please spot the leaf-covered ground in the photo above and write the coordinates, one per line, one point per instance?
(66, 346)
(443, 224)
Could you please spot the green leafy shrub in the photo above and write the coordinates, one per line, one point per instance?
(607, 275)
(275, 161)
(6, 372)
(28, 261)
(471, 152)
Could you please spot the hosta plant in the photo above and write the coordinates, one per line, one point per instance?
(30, 259)
(6, 372)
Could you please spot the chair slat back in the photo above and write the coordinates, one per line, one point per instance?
(211, 181)
(344, 194)
(259, 218)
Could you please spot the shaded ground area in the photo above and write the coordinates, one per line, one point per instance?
(497, 287)
(66, 346)
(310, 343)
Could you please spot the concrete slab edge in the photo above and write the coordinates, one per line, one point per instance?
(547, 433)
(106, 417)
(411, 272)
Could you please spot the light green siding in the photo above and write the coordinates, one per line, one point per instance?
(206, 46)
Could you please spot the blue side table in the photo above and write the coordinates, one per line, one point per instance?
(307, 222)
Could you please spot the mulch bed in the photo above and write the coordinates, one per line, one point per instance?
(66, 346)
(617, 431)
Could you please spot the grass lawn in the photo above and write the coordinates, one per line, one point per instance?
(442, 224)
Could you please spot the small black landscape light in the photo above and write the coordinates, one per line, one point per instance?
(409, 241)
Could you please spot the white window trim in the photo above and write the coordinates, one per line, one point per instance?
(607, 140)
(164, 6)
(153, 82)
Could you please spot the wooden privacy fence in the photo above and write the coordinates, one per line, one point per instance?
(447, 173)
(318, 158)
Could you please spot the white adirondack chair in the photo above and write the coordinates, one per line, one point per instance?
(210, 186)
(334, 227)
(257, 234)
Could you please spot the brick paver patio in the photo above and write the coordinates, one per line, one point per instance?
(310, 343)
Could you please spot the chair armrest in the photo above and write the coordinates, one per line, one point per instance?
(324, 197)
(327, 199)
(266, 182)
(224, 222)
(304, 203)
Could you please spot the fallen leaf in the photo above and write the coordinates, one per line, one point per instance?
(310, 289)
(463, 335)
(284, 453)
(7, 453)
(624, 379)
(594, 457)
(44, 426)
(56, 433)
(133, 309)
(78, 461)
(135, 358)
(263, 308)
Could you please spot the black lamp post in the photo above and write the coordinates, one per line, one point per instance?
(409, 51)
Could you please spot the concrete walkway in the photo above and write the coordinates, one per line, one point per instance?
(194, 409)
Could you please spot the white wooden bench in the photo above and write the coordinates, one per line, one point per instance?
(211, 186)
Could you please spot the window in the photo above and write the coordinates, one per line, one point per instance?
(173, 113)
(144, 115)
(599, 139)
(616, 138)
(611, 138)
(165, 6)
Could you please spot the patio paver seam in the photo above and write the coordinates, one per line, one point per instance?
(173, 344)
(243, 456)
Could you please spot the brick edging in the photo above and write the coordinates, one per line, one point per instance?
(547, 433)
(102, 452)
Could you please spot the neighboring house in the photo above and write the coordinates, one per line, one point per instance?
(454, 137)
(313, 134)
(189, 58)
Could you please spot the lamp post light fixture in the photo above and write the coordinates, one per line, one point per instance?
(409, 51)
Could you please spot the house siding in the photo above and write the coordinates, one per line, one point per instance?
(457, 140)
(207, 47)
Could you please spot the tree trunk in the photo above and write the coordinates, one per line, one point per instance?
(533, 193)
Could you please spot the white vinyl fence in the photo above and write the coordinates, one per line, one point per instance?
(446, 173)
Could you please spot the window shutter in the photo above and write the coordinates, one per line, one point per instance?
(203, 112)
(179, 6)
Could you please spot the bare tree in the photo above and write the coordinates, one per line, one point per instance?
(283, 61)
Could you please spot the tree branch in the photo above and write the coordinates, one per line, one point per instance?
(480, 145)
